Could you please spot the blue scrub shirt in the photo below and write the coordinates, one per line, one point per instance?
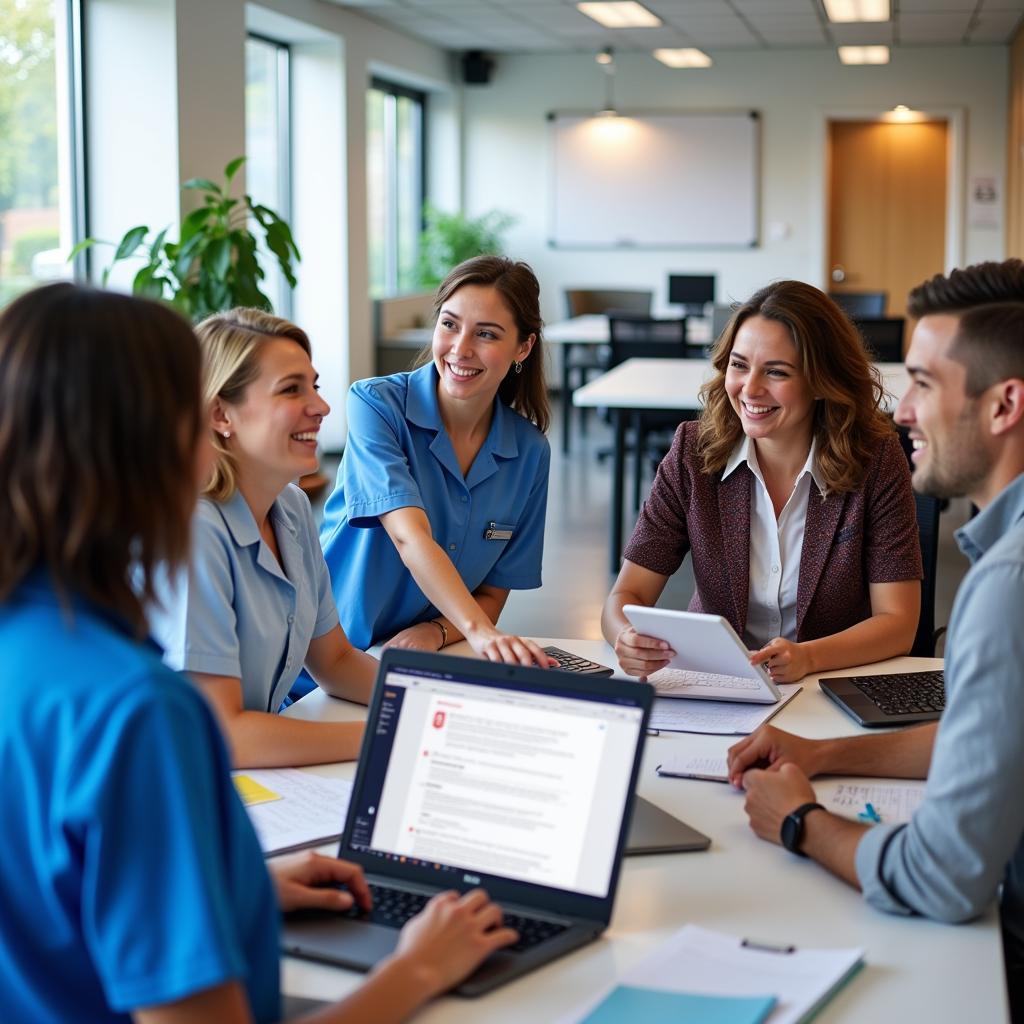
(131, 876)
(238, 611)
(398, 455)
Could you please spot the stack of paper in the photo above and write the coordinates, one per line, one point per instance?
(291, 809)
(718, 717)
(702, 976)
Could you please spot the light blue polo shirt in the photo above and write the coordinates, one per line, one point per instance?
(238, 611)
(398, 455)
(130, 874)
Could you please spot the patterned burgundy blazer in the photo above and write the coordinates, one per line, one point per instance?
(850, 540)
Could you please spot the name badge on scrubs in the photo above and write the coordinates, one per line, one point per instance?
(497, 531)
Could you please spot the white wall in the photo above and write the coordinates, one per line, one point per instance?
(506, 149)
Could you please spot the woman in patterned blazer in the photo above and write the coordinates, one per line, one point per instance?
(793, 496)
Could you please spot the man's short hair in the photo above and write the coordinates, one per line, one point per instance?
(967, 287)
(989, 343)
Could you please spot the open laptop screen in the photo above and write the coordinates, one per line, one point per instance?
(469, 775)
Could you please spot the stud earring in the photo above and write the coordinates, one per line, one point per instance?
(518, 366)
(227, 433)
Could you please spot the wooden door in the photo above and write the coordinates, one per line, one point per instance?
(887, 207)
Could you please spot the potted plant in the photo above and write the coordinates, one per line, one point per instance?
(450, 238)
(213, 264)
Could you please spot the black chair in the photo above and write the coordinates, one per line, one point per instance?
(635, 337)
(928, 511)
(580, 361)
(860, 303)
(883, 337)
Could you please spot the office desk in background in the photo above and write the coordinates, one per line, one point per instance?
(666, 385)
(589, 331)
(916, 970)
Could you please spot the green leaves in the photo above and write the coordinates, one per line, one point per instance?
(450, 238)
(214, 265)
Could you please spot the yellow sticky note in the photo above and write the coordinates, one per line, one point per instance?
(252, 792)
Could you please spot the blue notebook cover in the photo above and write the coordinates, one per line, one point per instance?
(627, 1005)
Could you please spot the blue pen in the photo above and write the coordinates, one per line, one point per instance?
(870, 814)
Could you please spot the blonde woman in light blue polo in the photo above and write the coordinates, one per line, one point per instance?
(256, 605)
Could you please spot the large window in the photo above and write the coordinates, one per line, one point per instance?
(267, 147)
(38, 202)
(395, 186)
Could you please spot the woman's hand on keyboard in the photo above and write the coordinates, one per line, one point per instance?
(641, 655)
(310, 880)
(450, 938)
(784, 660)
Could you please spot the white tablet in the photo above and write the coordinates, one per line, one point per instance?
(711, 661)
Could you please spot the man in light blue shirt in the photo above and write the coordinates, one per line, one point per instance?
(965, 414)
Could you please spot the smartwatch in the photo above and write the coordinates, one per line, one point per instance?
(792, 832)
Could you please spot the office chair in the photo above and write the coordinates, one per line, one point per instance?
(860, 303)
(580, 361)
(636, 337)
(882, 336)
(928, 510)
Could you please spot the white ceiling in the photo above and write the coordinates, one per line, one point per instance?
(545, 26)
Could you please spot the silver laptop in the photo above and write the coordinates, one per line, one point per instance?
(471, 773)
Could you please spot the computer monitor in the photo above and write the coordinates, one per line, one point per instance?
(692, 291)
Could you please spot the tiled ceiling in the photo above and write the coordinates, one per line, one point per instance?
(545, 26)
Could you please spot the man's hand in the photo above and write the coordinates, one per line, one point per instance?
(424, 636)
(770, 748)
(772, 795)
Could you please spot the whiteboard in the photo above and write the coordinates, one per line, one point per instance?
(657, 180)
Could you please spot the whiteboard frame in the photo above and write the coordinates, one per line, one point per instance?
(755, 171)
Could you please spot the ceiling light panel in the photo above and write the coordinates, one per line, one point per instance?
(864, 54)
(857, 10)
(620, 15)
(683, 57)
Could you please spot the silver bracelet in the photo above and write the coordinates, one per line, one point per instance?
(444, 632)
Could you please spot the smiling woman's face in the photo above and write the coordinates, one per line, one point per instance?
(475, 341)
(765, 385)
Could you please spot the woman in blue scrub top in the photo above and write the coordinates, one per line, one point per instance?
(256, 603)
(132, 883)
(439, 506)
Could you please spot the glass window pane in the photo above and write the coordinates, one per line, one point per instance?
(377, 192)
(266, 149)
(36, 232)
(394, 170)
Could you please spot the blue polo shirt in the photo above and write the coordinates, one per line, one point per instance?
(398, 455)
(130, 875)
(238, 611)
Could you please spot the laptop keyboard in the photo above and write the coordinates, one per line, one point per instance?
(393, 907)
(670, 680)
(911, 693)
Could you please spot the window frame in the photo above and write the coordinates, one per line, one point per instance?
(282, 203)
(400, 91)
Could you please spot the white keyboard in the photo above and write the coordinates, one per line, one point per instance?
(672, 680)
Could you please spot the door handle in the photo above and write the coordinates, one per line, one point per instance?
(838, 273)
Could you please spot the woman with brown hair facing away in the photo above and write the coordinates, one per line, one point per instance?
(132, 883)
(793, 495)
(255, 605)
(439, 507)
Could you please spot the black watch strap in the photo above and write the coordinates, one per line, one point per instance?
(792, 832)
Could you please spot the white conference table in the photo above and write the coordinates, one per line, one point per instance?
(916, 970)
(639, 385)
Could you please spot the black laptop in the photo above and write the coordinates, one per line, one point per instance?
(888, 699)
(520, 780)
